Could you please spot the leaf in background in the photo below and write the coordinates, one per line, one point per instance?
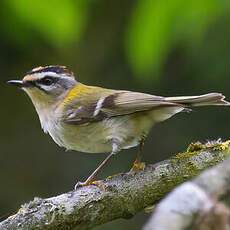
(59, 22)
(157, 26)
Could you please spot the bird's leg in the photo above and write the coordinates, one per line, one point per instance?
(90, 179)
(137, 164)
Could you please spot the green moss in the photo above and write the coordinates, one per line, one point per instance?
(195, 148)
(192, 150)
(184, 155)
(221, 146)
(190, 166)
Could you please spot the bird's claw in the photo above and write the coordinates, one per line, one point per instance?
(137, 166)
(99, 184)
(80, 184)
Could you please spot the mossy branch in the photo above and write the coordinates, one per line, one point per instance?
(202, 203)
(123, 195)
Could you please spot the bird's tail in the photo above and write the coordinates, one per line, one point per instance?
(201, 100)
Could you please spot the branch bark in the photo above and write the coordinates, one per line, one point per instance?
(123, 195)
(201, 204)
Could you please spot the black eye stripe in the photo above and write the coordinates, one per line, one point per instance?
(47, 80)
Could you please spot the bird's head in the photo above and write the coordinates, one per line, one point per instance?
(46, 85)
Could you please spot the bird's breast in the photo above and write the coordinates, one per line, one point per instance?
(91, 137)
(97, 137)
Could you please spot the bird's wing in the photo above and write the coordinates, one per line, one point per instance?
(127, 102)
(98, 105)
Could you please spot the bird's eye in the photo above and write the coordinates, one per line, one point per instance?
(47, 81)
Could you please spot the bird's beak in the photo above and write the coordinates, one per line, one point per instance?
(18, 83)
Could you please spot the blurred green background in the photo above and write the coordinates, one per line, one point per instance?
(159, 47)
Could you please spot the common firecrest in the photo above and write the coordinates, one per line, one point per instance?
(94, 119)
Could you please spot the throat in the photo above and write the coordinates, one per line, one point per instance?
(49, 124)
(46, 113)
(46, 119)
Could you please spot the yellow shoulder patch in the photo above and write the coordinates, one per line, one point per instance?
(78, 91)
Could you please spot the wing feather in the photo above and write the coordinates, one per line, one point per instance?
(105, 104)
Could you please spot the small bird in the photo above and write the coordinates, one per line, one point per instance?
(93, 119)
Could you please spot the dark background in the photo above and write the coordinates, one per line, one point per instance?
(160, 47)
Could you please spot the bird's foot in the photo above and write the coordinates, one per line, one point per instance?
(80, 184)
(137, 166)
(100, 184)
(97, 183)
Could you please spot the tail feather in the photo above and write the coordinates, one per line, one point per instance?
(201, 100)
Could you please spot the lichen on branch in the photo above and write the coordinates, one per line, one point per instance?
(123, 195)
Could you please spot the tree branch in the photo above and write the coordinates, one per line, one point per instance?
(123, 195)
(196, 204)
